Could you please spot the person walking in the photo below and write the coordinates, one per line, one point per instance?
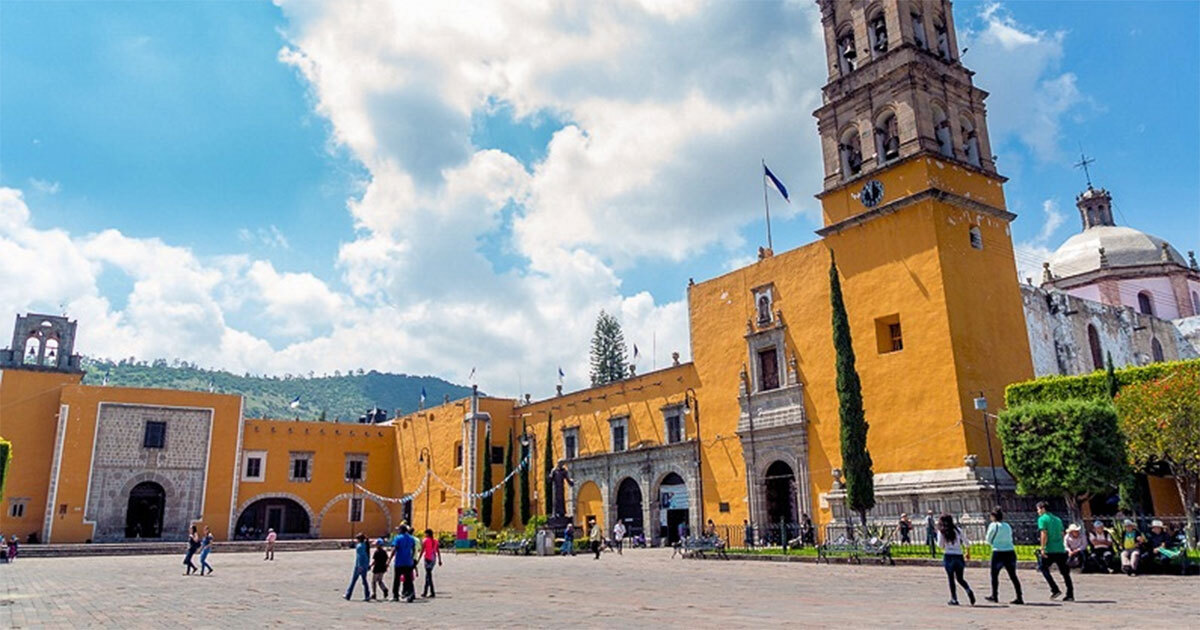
(431, 551)
(206, 546)
(270, 544)
(955, 552)
(808, 533)
(379, 565)
(404, 552)
(362, 564)
(1004, 555)
(595, 536)
(905, 528)
(13, 546)
(748, 533)
(931, 533)
(193, 546)
(619, 536)
(568, 546)
(1053, 551)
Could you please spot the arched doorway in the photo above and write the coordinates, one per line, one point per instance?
(589, 505)
(287, 517)
(780, 486)
(144, 516)
(672, 507)
(629, 506)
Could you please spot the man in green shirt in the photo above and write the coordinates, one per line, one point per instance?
(1053, 551)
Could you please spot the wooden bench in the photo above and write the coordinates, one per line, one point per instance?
(521, 546)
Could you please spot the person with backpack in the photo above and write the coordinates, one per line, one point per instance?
(954, 554)
(1004, 555)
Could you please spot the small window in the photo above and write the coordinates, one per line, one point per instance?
(497, 454)
(1095, 347)
(356, 467)
(768, 369)
(846, 51)
(618, 435)
(458, 455)
(17, 509)
(674, 428)
(877, 34)
(889, 337)
(301, 469)
(1145, 303)
(156, 434)
(571, 443)
(356, 509)
(723, 506)
(254, 466)
(1157, 351)
(62, 509)
(976, 237)
(943, 39)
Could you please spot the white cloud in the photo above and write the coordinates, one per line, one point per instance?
(44, 186)
(269, 236)
(1020, 67)
(1032, 253)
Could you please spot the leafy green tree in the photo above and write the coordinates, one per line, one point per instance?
(608, 351)
(523, 480)
(510, 489)
(548, 466)
(485, 505)
(1069, 448)
(856, 459)
(1162, 422)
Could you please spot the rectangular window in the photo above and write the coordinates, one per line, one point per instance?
(497, 454)
(301, 467)
(17, 509)
(356, 510)
(888, 335)
(618, 436)
(723, 507)
(674, 428)
(254, 466)
(156, 434)
(458, 454)
(354, 470)
(570, 442)
(768, 369)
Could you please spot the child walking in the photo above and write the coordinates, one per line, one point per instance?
(379, 564)
(954, 549)
(430, 551)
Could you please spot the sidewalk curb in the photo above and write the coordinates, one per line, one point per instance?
(917, 562)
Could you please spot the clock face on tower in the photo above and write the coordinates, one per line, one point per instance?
(872, 193)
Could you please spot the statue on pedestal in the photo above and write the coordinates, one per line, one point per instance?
(558, 477)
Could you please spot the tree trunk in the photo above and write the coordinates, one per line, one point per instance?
(1186, 487)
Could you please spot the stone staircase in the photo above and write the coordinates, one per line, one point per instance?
(180, 548)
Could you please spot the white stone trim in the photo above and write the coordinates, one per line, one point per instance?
(312, 530)
(55, 466)
(237, 467)
(316, 527)
(262, 469)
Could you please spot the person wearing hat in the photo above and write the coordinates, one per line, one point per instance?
(1076, 545)
(1157, 543)
(1102, 546)
(1131, 553)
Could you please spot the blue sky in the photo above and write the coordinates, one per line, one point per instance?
(283, 188)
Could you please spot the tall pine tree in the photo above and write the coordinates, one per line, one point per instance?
(523, 477)
(510, 489)
(856, 460)
(608, 351)
(485, 506)
(548, 467)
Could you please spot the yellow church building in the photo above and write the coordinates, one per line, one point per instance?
(914, 214)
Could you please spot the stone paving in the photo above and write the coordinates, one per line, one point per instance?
(643, 588)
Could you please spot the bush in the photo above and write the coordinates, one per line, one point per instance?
(1089, 386)
(535, 523)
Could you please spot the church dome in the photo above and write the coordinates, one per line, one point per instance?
(1123, 247)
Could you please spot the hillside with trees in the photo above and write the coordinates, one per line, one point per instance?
(340, 396)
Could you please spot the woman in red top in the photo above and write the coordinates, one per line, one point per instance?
(431, 552)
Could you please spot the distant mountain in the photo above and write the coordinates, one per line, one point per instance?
(342, 397)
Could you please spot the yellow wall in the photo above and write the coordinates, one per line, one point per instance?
(29, 405)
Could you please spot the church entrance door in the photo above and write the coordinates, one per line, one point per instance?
(144, 516)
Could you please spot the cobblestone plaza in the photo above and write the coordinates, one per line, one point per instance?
(642, 588)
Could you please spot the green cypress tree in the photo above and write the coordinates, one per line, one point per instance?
(548, 466)
(1110, 378)
(856, 459)
(510, 489)
(608, 351)
(485, 505)
(523, 477)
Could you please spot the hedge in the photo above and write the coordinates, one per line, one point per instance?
(5, 459)
(1052, 388)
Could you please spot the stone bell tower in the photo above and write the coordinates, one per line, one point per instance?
(915, 214)
(42, 342)
(897, 88)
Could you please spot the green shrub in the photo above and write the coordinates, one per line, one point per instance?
(1088, 386)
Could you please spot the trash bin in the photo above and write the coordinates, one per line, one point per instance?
(545, 543)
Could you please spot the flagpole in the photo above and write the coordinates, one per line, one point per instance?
(766, 204)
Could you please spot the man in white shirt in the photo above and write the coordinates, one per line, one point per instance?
(619, 536)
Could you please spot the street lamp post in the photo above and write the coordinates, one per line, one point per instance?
(429, 464)
(981, 405)
(691, 405)
(753, 453)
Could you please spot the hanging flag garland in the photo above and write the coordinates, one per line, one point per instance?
(486, 493)
(403, 499)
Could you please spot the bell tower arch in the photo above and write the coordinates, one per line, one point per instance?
(42, 342)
